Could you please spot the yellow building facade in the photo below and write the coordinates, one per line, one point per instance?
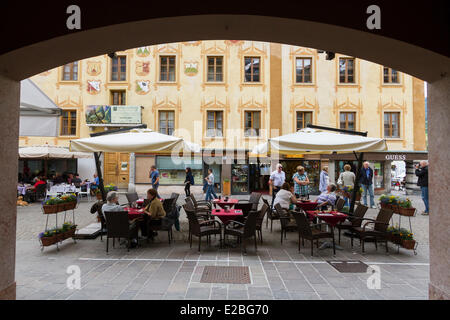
(231, 95)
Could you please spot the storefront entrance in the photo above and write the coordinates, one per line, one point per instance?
(116, 168)
(312, 168)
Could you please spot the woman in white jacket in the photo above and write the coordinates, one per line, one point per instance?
(346, 178)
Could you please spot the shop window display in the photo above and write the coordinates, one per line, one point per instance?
(175, 173)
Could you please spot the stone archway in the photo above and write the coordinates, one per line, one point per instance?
(21, 62)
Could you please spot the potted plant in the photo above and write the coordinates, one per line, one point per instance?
(384, 201)
(407, 241)
(348, 192)
(405, 207)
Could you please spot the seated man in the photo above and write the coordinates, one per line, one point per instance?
(77, 181)
(95, 184)
(327, 197)
(154, 211)
(112, 202)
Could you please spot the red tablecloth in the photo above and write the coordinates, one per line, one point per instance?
(226, 217)
(307, 206)
(134, 213)
(332, 218)
(222, 203)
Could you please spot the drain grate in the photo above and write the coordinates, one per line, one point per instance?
(214, 274)
(349, 266)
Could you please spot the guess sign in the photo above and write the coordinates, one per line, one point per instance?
(395, 157)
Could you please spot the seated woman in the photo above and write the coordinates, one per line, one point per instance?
(327, 197)
(285, 196)
(154, 211)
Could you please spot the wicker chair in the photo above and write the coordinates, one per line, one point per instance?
(285, 220)
(271, 214)
(200, 204)
(199, 211)
(340, 203)
(201, 229)
(352, 221)
(166, 223)
(310, 231)
(243, 230)
(260, 220)
(377, 232)
(132, 197)
(254, 199)
(119, 226)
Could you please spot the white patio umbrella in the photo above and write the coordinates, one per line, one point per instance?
(50, 152)
(136, 140)
(313, 141)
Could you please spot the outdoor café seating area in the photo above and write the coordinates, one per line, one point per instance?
(227, 222)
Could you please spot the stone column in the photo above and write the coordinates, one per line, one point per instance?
(439, 157)
(9, 143)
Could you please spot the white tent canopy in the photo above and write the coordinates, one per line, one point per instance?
(312, 141)
(136, 140)
(49, 152)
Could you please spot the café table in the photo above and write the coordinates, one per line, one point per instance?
(307, 205)
(223, 203)
(332, 218)
(226, 216)
(134, 213)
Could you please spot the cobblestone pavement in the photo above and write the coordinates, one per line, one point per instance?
(157, 270)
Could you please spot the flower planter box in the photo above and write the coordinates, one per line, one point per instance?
(409, 212)
(68, 234)
(385, 205)
(396, 238)
(48, 241)
(408, 244)
(70, 205)
(50, 208)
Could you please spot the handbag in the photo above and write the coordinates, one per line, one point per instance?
(340, 180)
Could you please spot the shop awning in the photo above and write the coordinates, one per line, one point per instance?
(311, 141)
(50, 152)
(136, 140)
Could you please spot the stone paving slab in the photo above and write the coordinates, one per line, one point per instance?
(157, 271)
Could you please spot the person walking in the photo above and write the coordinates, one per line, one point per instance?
(324, 180)
(154, 178)
(276, 181)
(210, 193)
(188, 182)
(422, 182)
(367, 184)
(301, 183)
(346, 179)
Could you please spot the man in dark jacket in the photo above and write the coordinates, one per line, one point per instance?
(366, 184)
(422, 182)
